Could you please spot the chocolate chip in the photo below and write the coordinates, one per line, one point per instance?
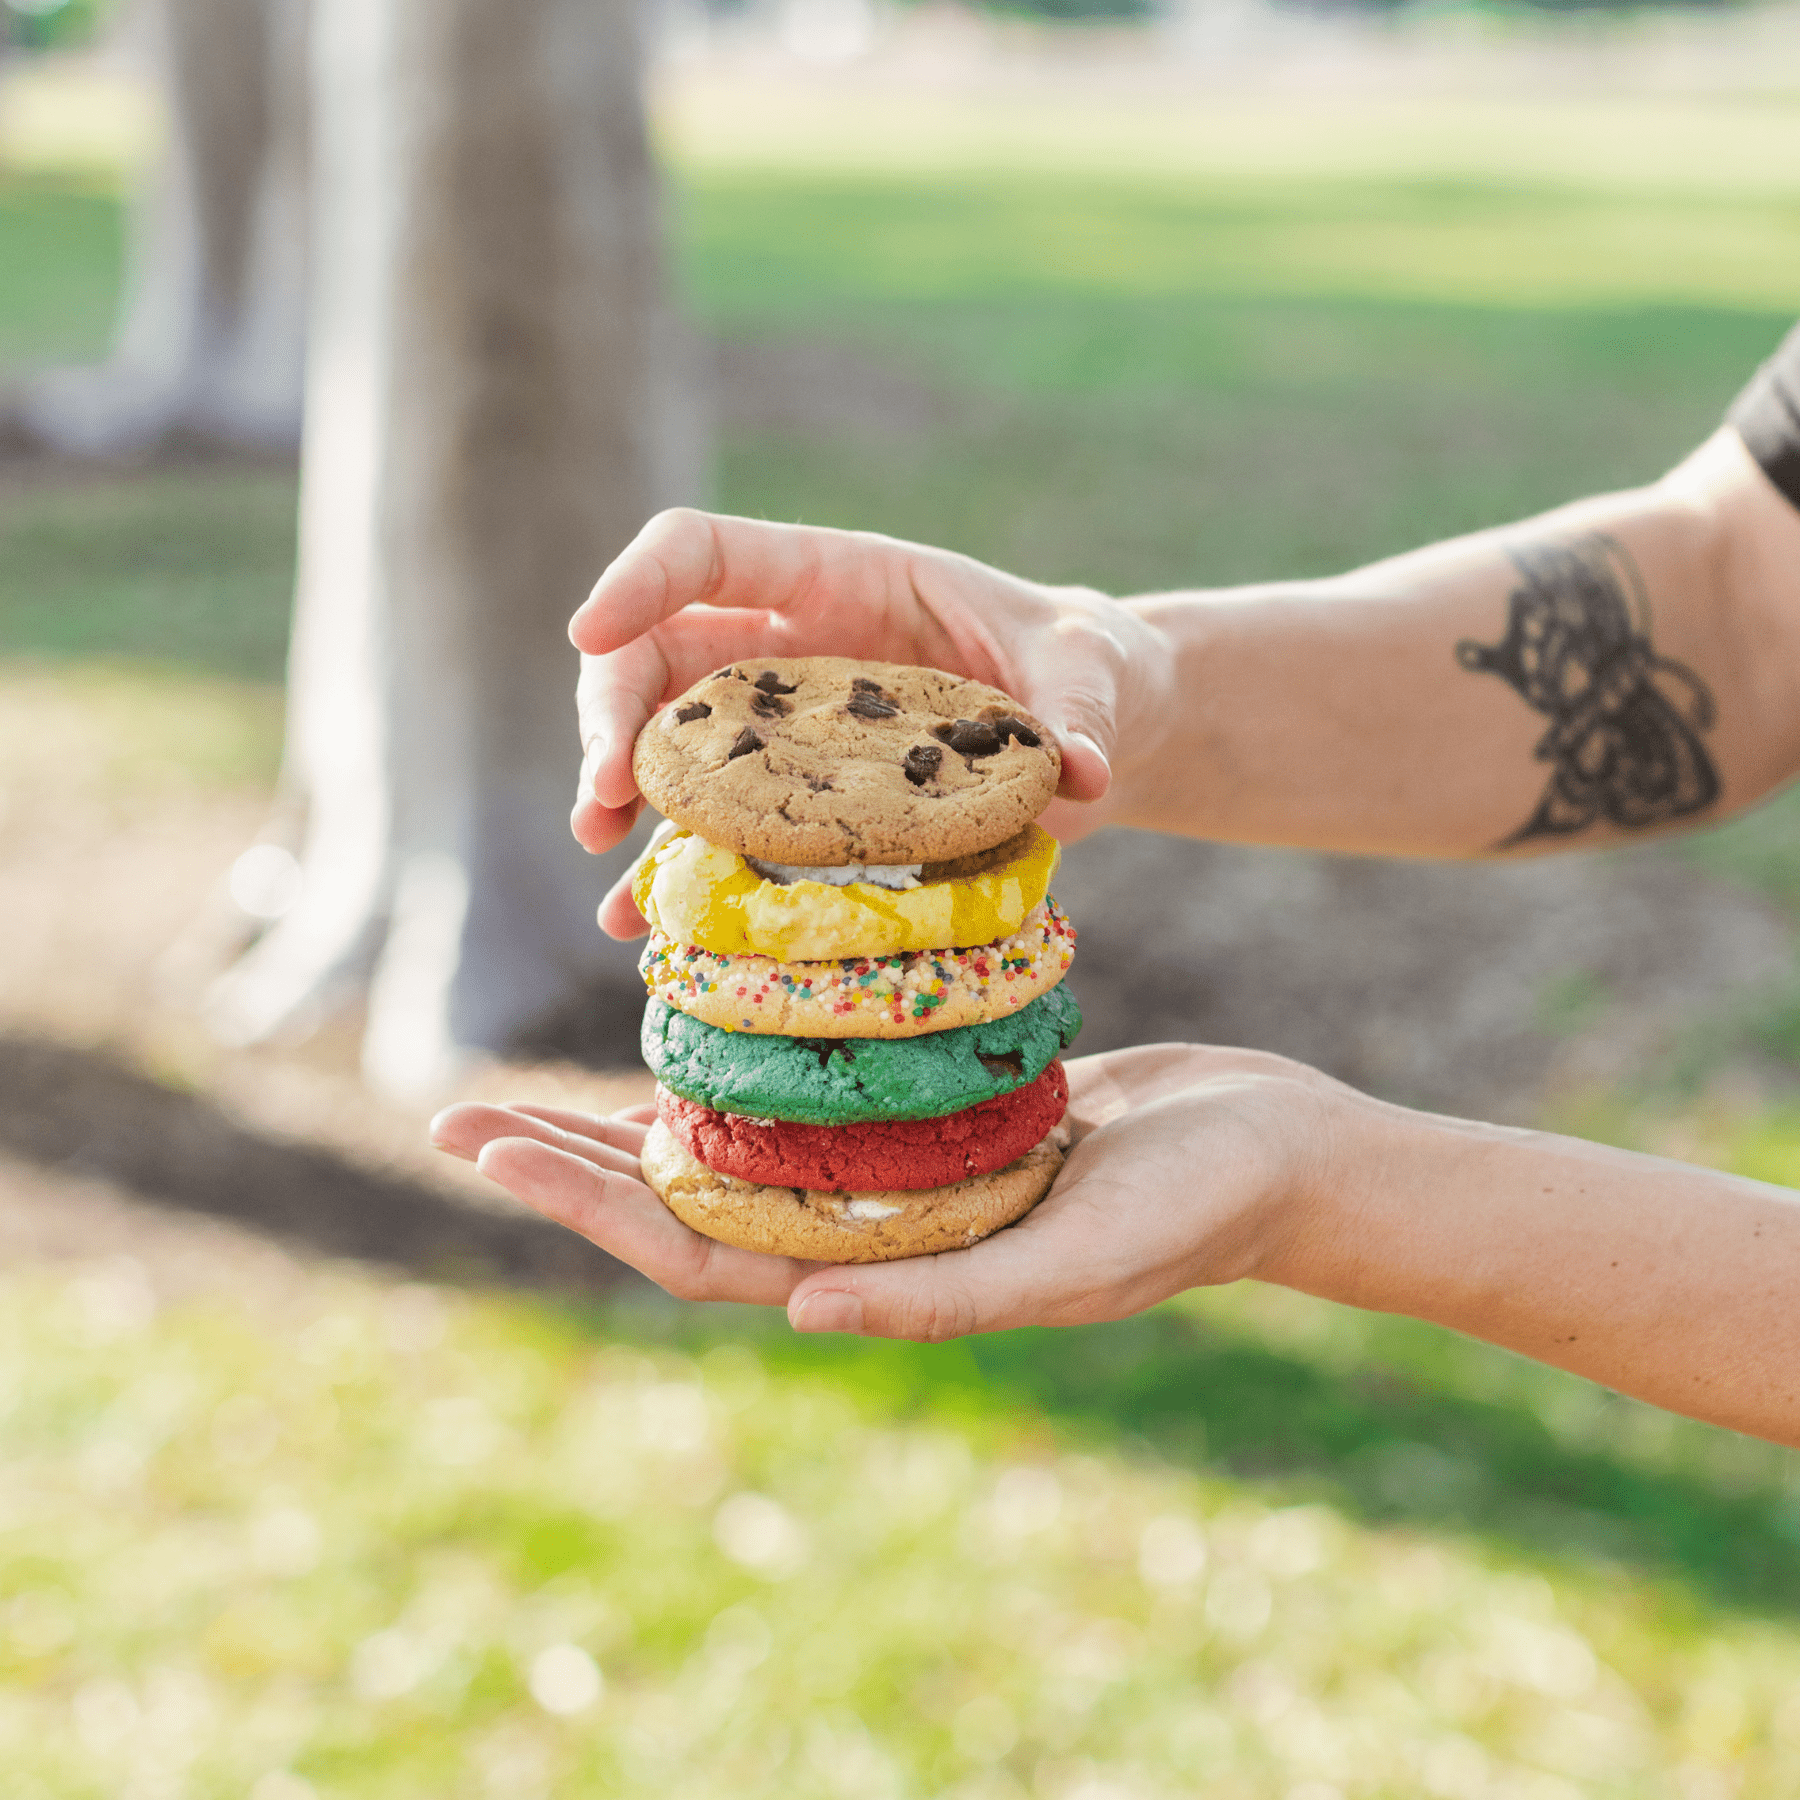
(1008, 1062)
(1009, 727)
(969, 737)
(861, 684)
(923, 762)
(720, 674)
(867, 706)
(698, 709)
(820, 784)
(769, 706)
(741, 745)
(771, 683)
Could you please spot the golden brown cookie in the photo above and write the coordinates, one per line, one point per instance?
(824, 760)
(903, 995)
(847, 1228)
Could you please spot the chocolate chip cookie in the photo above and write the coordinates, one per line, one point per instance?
(823, 760)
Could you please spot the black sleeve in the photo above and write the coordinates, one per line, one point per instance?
(1767, 416)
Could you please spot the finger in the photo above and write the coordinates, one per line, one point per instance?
(1069, 821)
(1072, 687)
(468, 1129)
(619, 915)
(619, 1131)
(687, 558)
(1151, 1071)
(600, 828)
(671, 563)
(1131, 1076)
(627, 1220)
(1106, 1087)
(1019, 1276)
(1086, 773)
(614, 697)
(618, 693)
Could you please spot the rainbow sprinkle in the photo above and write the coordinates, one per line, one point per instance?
(910, 985)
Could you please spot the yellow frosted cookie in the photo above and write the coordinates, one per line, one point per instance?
(903, 995)
(700, 894)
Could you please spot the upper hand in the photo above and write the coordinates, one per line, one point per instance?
(1190, 1166)
(694, 591)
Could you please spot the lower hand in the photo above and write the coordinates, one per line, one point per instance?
(1190, 1166)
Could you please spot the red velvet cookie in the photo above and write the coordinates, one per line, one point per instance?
(889, 1154)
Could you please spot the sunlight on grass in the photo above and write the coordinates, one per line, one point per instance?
(1720, 146)
(398, 1542)
(75, 735)
(939, 236)
(1514, 203)
(71, 115)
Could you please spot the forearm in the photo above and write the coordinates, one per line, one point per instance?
(1622, 664)
(1674, 1284)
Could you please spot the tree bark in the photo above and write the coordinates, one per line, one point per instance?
(496, 398)
(211, 337)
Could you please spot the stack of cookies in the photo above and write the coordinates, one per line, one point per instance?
(855, 965)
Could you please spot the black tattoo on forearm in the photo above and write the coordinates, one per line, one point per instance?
(1624, 739)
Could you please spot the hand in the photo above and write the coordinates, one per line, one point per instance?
(694, 591)
(1191, 1166)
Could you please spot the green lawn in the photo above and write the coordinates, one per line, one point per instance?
(60, 275)
(381, 1542)
(1249, 1546)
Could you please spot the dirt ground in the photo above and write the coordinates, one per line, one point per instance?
(125, 1131)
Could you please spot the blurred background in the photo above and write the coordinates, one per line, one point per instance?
(322, 1471)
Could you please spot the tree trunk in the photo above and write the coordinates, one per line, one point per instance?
(494, 404)
(210, 340)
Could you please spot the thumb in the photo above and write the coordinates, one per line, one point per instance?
(1086, 768)
(929, 1299)
(1078, 707)
(1076, 695)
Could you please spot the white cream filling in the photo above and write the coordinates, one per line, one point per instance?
(870, 1209)
(884, 875)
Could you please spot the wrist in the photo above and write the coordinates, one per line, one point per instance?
(1362, 1165)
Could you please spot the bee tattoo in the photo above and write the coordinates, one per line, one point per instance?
(1625, 724)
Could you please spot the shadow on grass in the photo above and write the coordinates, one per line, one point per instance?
(1370, 1443)
(88, 1114)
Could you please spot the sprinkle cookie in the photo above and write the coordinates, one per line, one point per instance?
(905, 995)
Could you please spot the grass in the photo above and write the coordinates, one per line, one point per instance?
(193, 569)
(1249, 1545)
(59, 278)
(371, 1542)
(1387, 1422)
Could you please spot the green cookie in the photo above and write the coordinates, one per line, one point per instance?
(845, 1081)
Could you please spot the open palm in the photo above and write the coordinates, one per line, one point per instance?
(1182, 1157)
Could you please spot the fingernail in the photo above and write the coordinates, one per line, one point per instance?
(1081, 737)
(831, 1310)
